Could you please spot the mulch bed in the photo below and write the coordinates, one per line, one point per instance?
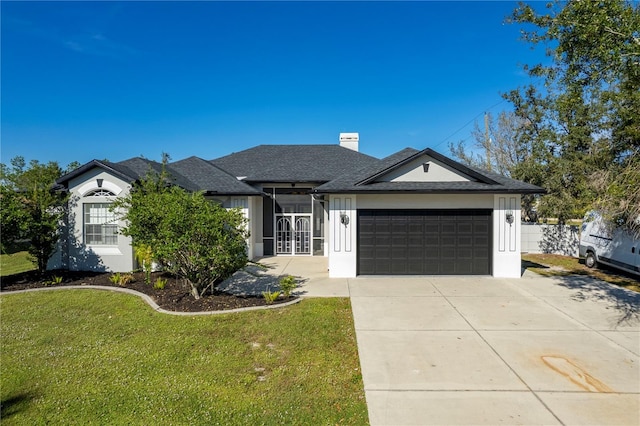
(175, 296)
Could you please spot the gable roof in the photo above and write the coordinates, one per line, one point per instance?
(193, 174)
(338, 169)
(365, 179)
(293, 163)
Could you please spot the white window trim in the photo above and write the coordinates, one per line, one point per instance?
(93, 185)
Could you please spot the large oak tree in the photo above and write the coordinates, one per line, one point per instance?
(581, 112)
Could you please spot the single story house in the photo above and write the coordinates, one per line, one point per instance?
(414, 212)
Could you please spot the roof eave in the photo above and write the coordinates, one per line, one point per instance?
(430, 191)
(90, 165)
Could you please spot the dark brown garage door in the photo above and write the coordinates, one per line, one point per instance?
(424, 242)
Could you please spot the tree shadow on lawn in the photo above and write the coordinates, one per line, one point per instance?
(13, 405)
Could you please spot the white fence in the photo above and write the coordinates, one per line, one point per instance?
(556, 239)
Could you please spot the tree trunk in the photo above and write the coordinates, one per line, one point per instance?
(194, 290)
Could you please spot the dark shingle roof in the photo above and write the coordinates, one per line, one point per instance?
(342, 171)
(363, 180)
(204, 176)
(293, 163)
(192, 174)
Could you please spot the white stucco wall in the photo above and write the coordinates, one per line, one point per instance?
(342, 239)
(414, 172)
(425, 201)
(250, 207)
(507, 239)
(73, 253)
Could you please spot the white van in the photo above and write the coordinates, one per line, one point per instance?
(602, 242)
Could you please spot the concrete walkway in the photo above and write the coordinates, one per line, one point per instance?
(484, 351)
(310, 272)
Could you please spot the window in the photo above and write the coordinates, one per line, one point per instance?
(100, 227)
(100, 193)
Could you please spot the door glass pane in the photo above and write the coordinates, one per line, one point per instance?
(318, 219)
(293, 200)
(267, 214)
(303, 234)
(283, 235)
(318, 246)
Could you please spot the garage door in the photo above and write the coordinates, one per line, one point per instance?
(424, 242)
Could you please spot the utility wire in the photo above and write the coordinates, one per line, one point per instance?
(469, 122)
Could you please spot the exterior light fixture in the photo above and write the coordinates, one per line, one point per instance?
(344, 218)
(509, 216)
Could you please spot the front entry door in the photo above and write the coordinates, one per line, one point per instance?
(293, 234)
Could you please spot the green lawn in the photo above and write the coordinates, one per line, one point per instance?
(83, 356)
(557, 265)
(15, 263)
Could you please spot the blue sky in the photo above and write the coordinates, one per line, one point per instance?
(108, 80)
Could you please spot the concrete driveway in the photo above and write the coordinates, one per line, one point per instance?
(486, 351)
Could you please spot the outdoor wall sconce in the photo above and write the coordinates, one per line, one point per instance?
(344, 218)
(509, 217)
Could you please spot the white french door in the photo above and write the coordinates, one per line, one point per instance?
(293, 234)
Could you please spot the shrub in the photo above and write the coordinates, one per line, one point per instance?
(287, 285)
(196, 239)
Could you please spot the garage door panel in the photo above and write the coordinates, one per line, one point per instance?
(415, 240)
(448, 228)
(432, 242)
(431, 268)
(399, 240)
(448, 240)
(464, 241)
(399, 253)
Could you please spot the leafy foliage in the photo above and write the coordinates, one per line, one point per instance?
(144, 256)
(121, 279)
(270, 296)
(503, 152)
(194, 238)
(31, 208)
(160, 283)
(580, 114)
(287, 285)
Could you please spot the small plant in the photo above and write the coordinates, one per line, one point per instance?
(115, 278)
(270, 296)
(144, 255)
(160, 283)
(55, 280)
(121, 279)
(287, 285)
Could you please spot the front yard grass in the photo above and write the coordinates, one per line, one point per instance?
(95, 357)
(558, 265)
(15, 263)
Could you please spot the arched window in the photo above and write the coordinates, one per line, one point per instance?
(100, 225)
(100, 193)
